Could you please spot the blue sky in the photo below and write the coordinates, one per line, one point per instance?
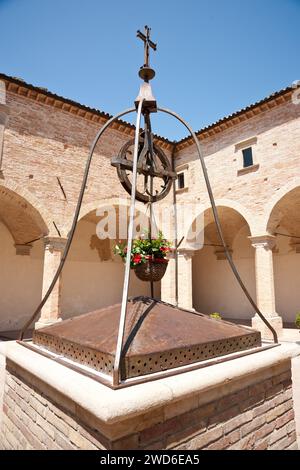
(213, 57)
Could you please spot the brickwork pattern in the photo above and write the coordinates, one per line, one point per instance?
(42, 143)
(258, 417)
(31, 421)
(46, 146)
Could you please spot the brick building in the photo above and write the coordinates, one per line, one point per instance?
(252, 158)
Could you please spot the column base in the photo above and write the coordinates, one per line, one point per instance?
(42, 323)
(275, 322)
(186, 307)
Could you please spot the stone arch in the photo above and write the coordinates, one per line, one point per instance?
(23, 215)
(114, 201)
(93, 275)
(90, 207)
(282, 219)
(249, 218)
(95, 211)
(285, 213)
(266, 226)
(215, 288)
(21, 259)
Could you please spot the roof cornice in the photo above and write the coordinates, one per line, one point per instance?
(242, 115)
(44, 96)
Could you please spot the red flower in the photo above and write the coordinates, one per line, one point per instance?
(137, 259)
(165, 249)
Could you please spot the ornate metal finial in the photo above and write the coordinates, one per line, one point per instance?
(146, 72)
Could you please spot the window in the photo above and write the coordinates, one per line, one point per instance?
(180, 181)
(247, 157)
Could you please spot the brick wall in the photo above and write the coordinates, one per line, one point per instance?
(276, 151)
(259, 416)
(47, 143)
(32, 421)
(43, 142)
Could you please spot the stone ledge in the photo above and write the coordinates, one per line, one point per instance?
(182, 190)
(112, 406)
(248, 169)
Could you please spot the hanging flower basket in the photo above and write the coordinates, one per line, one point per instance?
(148, 257)
(152, 270)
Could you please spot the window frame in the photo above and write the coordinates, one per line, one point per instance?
(184, 170)
(248, 156)
(238, 149)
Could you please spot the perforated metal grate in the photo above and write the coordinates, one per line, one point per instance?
(83, 355)
(158, 337)
(179, 357)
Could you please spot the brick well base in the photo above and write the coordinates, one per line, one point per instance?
(257, 416)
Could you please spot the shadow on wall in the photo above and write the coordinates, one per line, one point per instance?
(215, 288)
(20, 281)
(90, 283)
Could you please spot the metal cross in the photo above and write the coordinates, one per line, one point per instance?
(147, 42)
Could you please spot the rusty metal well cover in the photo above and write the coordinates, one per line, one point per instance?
(158, 337)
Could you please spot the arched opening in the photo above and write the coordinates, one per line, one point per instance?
(284, 222)
(93, 276)
(215, 288)
(21, 259)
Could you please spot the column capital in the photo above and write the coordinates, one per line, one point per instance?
(23, 250)
(55, 243)
(220, 253)
(263, 241)
(295, 246)
(186, 252)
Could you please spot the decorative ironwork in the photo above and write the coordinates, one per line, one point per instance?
(105, 340)
(157, 337)
(155, 175)
(146, 73)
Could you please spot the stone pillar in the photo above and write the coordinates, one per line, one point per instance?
(265, 291)
(168, 289)
(185, 280)
(51, 312)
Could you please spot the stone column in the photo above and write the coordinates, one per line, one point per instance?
(185, 278)
(265, 291)
(51, 312)
(185, 281)
(168, 290)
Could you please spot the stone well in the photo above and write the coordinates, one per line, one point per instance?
(245, 403)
